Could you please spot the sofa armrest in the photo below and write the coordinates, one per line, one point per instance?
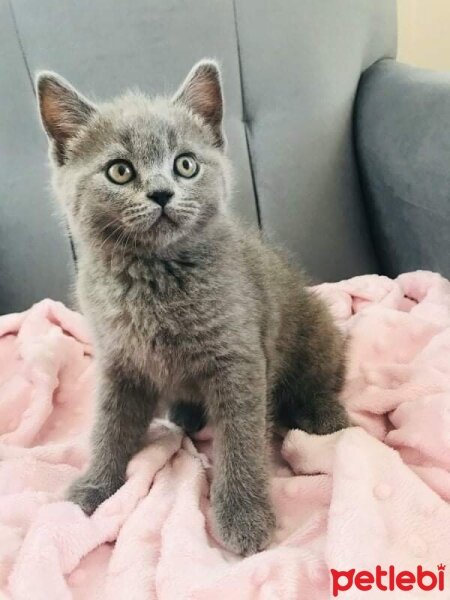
(402, 136)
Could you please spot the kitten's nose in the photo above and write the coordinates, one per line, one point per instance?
(161, 197)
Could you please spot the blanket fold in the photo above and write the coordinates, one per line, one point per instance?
(375, 494)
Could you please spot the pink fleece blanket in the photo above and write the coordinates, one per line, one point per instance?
(375, 494)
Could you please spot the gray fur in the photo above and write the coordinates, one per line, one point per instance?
(191, 308)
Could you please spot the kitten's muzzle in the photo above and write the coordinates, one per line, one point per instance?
(161, 197)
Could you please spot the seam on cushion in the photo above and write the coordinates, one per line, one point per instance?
(33, 90)
(244, 118)
(364, 188)
(427, 209)
(22, 50)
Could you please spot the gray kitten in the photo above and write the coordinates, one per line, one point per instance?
(187, 309)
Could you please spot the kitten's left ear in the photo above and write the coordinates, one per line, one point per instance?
(63, 111)
(202, 93)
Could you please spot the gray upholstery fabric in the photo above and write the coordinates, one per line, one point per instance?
(301, 62)
(291, 70)
(403, 140)
(104, 48)
(35, 259)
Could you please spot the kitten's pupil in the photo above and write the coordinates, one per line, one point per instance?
(122, 170)
(186, 164)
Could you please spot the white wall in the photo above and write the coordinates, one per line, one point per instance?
(424, 33)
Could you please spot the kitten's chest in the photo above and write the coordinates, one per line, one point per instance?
(149, 322)
(162, 322)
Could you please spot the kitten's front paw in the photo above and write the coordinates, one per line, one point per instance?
(89, 493)
(245, 525)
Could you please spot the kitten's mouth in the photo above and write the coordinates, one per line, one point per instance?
(159, 221)
(164, 217)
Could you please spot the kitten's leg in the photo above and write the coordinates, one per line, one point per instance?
(306, 396)
(188, 415)
(126, 406)
(237, 405)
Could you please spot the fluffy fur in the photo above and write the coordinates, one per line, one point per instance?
(188, 310)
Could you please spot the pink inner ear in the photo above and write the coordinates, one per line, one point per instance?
(204, 96)
(202, 93)
(63, 111)
(56, 116)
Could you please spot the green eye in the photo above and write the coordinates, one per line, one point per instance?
(120, 172)
(186, 166)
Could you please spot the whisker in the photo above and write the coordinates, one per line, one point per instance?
(133, 218)
(117, 244)
(131, 213)
(115, 230)
(185, 212)
(188, 203)
(108, 225)
(113, 220)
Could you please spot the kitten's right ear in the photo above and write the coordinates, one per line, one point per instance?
(63, 111)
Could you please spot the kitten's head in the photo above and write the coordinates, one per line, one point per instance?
(136, 171)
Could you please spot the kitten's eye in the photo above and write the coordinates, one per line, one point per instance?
(186, 166)
(120, 172)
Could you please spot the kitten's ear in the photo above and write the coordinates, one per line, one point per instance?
(201, 91)
(63, 111)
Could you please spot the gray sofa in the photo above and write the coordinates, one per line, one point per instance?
(341, 154)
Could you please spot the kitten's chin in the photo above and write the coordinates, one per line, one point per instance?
(162, 232)
(156, 229)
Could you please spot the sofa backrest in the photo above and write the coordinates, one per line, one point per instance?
(291, 70)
